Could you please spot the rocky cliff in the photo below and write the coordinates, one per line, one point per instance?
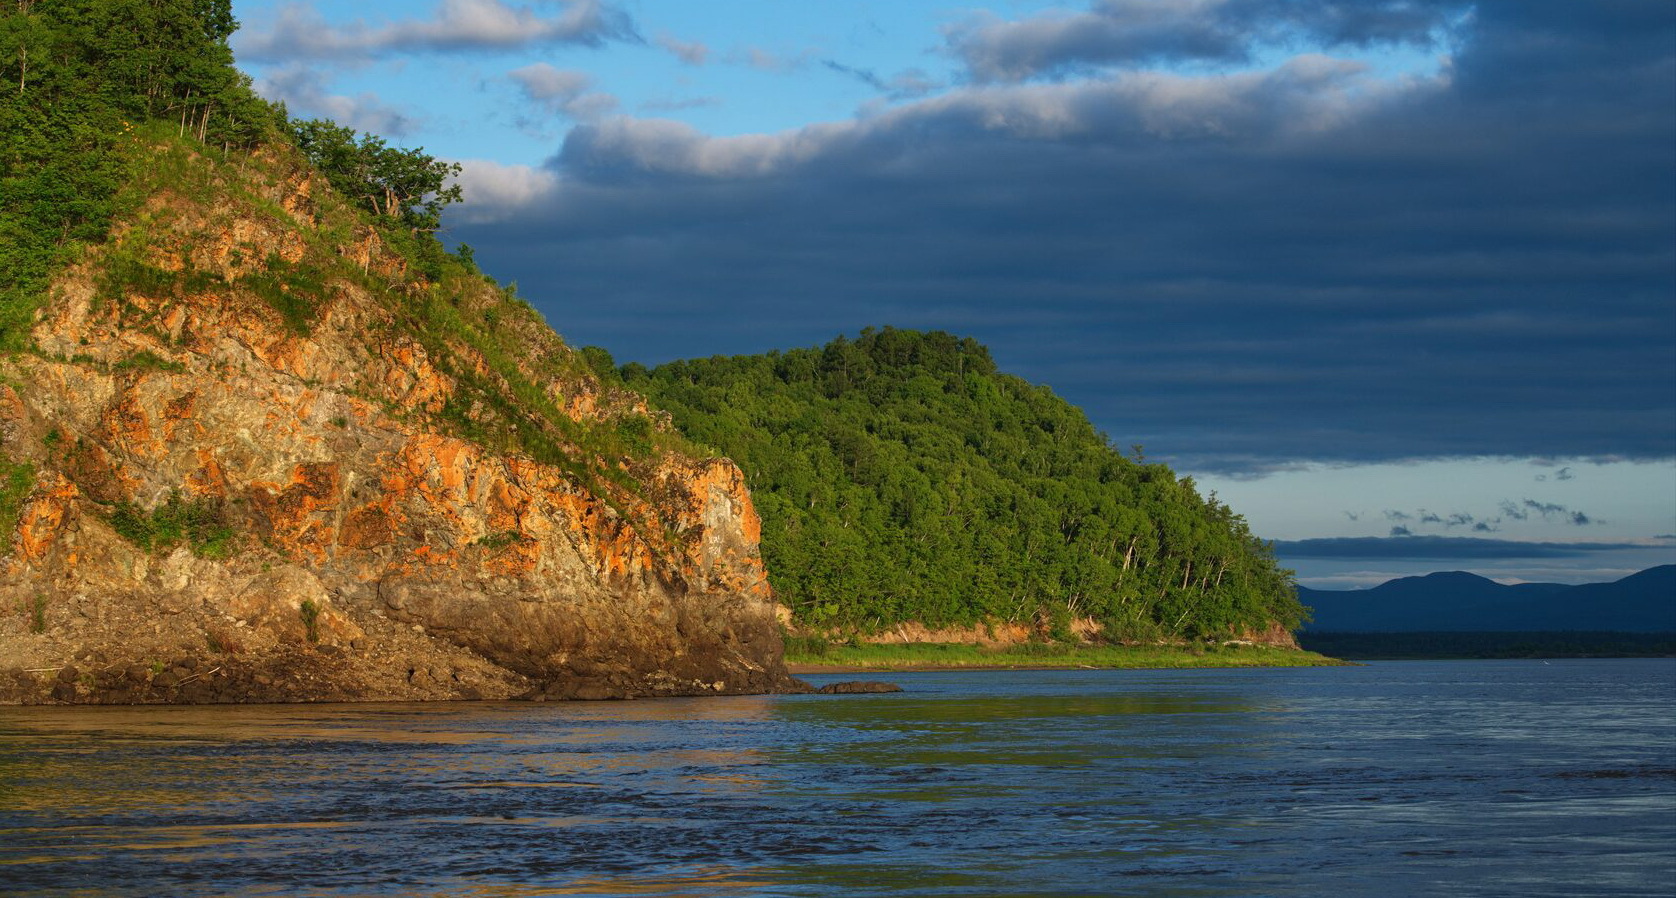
(258, 454)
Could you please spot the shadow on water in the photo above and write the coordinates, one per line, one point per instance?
(1324, 781)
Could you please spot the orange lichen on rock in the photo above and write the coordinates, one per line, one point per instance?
(412, 381)
(298, 515)
(209, 480)
(43, 517)
(369, 526)
(127, 426)
(177, 412)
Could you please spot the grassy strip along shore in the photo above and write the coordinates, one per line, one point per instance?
(813, 655)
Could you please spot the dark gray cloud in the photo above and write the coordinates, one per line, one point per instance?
(300, 32)
(1509, 510)
(1551, 511)
(1241, 272)
(1435, 548)
(1140, 32)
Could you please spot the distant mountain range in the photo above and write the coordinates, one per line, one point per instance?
(1457, 601)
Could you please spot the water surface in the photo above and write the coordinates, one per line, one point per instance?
(1483, 777)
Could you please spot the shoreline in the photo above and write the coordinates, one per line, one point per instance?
(929, 657)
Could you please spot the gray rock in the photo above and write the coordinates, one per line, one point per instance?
(858, 687)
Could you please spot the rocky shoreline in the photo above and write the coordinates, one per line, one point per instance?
(320, 674)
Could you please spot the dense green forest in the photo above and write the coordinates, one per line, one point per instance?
(901, 477)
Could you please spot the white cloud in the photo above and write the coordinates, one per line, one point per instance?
(1307, 94)
(300, 32)
(305, 90)
(563, 91)
(912, 83)
(494, 191)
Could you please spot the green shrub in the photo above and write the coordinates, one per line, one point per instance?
(17, 480)
(311, 619)
(810, 646)
(200, 524)
(296, 292)
(500, 540)
(636, 435)
(146, 360)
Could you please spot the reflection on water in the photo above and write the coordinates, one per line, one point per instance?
(1512, 778)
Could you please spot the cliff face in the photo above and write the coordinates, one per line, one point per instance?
(248, 421)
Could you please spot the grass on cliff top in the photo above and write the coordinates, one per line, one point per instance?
(805, 653)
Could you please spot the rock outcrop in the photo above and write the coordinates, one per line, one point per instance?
(271, 461)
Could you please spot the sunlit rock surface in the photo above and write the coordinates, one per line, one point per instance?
(366, 550)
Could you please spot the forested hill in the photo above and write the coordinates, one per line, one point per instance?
(901, 477)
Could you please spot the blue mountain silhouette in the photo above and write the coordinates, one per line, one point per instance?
(1456, 601)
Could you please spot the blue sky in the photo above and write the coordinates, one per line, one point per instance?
(1395, 278)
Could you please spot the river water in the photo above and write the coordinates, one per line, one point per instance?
(1399, 778)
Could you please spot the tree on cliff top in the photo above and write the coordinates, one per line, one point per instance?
(406, 186)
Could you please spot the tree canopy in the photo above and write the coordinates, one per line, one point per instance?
(406, 186)
(901, 477)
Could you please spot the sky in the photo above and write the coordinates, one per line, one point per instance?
(1395, 279)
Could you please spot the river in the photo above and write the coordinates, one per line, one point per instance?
(1397, 778)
